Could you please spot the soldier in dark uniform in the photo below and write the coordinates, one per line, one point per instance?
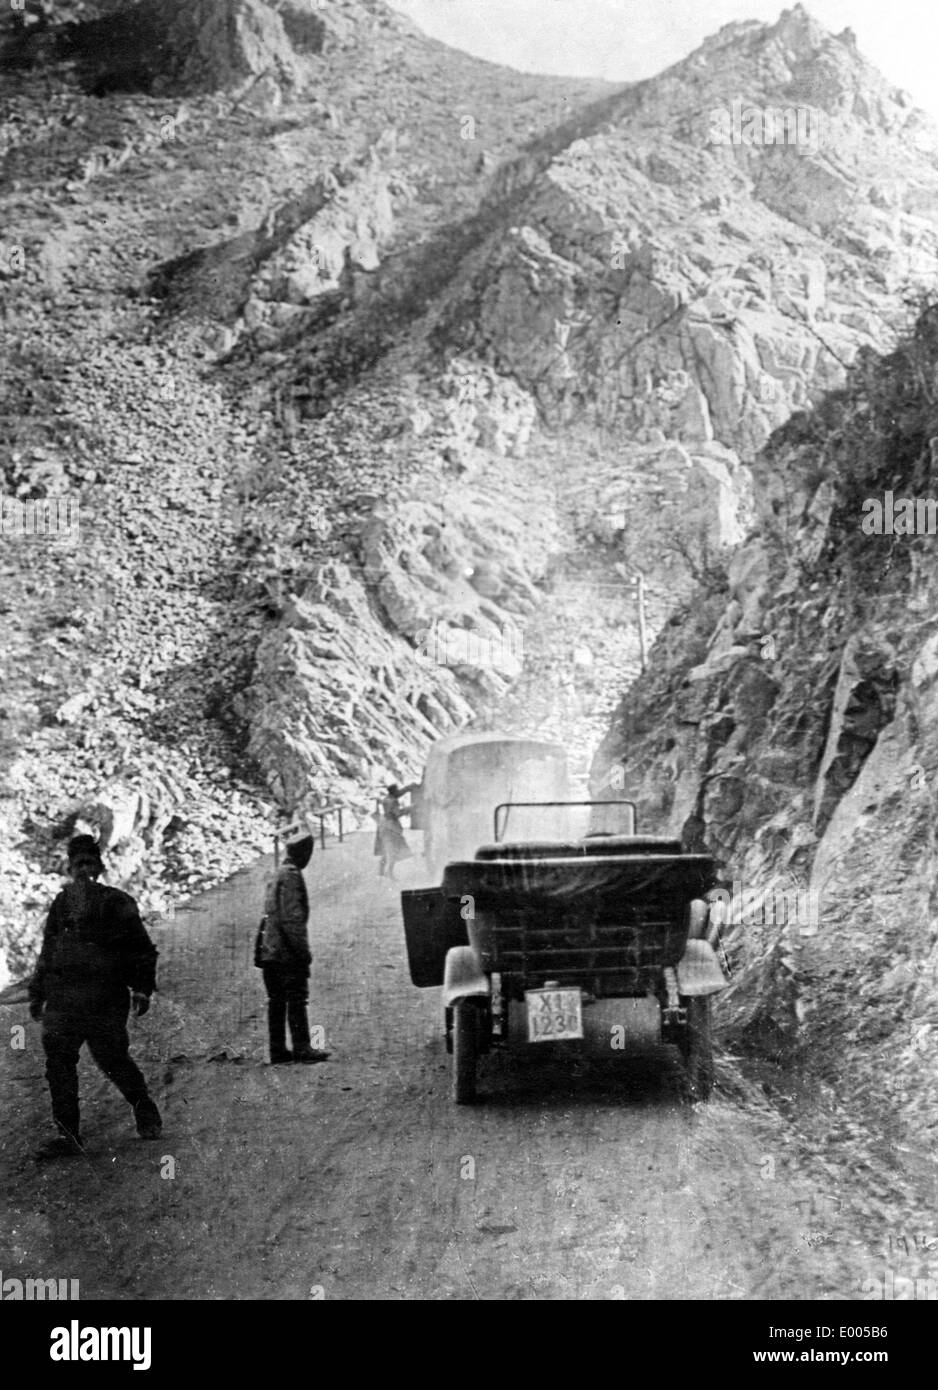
(283, 954)
(96, 961)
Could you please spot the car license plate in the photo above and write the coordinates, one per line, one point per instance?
(554, 1015)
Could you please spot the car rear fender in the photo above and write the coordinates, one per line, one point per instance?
(699, 971)
(463, 979)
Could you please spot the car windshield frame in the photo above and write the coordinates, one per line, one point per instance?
(534, 805)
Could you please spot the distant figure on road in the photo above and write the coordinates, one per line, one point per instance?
(390, 845)
(96, 962)
(284, 956)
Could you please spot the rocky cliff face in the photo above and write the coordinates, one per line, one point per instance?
(191, 46)
(649, 297)
(666, 295)
(788, 725)
(343, 339)
(167, 683)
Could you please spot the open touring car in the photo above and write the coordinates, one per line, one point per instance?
(570, 929)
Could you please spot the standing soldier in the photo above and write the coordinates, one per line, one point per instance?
(283, 954)
(96, 961)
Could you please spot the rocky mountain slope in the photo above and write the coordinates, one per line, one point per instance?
(792, 710)
(658, 304)
(359, 336)
(130, 657)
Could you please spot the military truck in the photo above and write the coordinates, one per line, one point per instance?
(466, 775)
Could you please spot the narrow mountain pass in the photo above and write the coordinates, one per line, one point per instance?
(582, 647)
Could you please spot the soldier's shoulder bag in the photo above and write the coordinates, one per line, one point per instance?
(268, 933)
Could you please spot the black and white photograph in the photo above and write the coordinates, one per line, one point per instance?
(469, 666)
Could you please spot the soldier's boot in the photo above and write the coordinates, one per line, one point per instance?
(108, 1044)
(66, 1144)
(277, 1032)
(148, 1119)
(61, 1040)
(299, 1025)
(299, 1032)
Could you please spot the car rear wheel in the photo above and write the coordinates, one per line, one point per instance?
(465, 1050)
(698, 1049)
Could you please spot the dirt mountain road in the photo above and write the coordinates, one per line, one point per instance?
(358, 1179)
